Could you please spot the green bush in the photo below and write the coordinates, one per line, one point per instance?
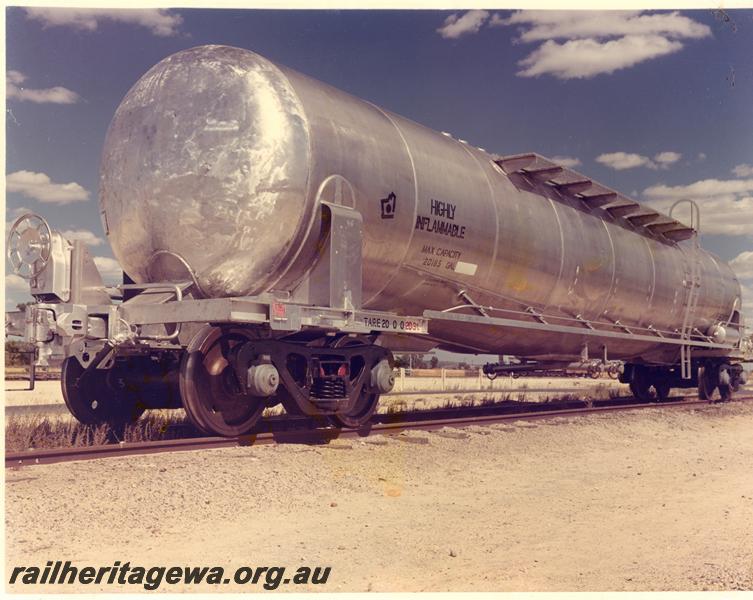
(17, 353)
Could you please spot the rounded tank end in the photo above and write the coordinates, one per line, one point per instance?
(207, 159)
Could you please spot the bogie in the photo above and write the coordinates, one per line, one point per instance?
(229, 375)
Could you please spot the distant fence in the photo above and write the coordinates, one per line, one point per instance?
(439, 372)
(408, 381)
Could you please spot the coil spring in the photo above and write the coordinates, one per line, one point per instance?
(328, 388)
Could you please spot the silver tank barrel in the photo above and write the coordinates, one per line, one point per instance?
(216, 161)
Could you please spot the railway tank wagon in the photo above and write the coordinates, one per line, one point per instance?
(279, 235)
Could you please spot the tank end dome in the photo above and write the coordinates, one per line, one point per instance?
(207, 159)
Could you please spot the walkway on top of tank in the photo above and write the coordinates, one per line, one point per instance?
(535, 168)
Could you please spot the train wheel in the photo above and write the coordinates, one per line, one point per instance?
(648, 387)
(92, 401)
(640, 386)
(641, 390)
(662, 390)
(725, 393)
(360, 414)
(725, 383)
(707, 382)
(212, 396)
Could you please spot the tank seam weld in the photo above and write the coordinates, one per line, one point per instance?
(562, 255)
(653, 279)
(612, 291)
(400, 264)
(493, 199)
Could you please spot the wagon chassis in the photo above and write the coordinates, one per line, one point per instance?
(322, 339)
(226, 359)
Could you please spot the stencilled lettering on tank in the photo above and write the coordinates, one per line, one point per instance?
(443, 209)
(441, 220)
(439, 257)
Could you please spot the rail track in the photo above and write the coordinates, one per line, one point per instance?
(304, 431)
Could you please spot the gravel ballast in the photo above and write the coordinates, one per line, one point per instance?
(657, 499)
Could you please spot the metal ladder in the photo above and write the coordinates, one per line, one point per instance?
(694, 289)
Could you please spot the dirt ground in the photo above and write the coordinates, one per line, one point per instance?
(645, 500)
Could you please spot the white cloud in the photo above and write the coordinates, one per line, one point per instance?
(86, 236)
(17, 212)
(109, 268)
(701, 156)
(743, 170)
(539, 25)
(566, 161)
(596, 42)
(742, 265)
(667, 158)
(624, 160)
(14, 77)
(701, 189)
(726, 205)
(628, 160)
(746, 289)
(585, 58)
(40, 187)
(15, 283)
(160, 22)
(14, 213)
(457, 24)
(54, 95)
(16, 291)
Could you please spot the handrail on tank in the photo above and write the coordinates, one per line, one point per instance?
(459, 306)
(695, 213)
(167, 287)
(164, 338)
(650, 329)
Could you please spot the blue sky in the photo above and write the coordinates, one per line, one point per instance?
(654, 104)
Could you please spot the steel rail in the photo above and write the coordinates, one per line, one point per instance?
(523, 390)
(320, 436)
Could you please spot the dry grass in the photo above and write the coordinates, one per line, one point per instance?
(22, 373)
(469, 401)
(37, 432)
(601, 391)
(398, 406)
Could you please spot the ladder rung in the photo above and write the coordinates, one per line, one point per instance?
(662, 226)
(513, 164)
(678, 235)
(543, 173)
(643, 218)
(622, 209)
(574, 187)
(597, 200)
